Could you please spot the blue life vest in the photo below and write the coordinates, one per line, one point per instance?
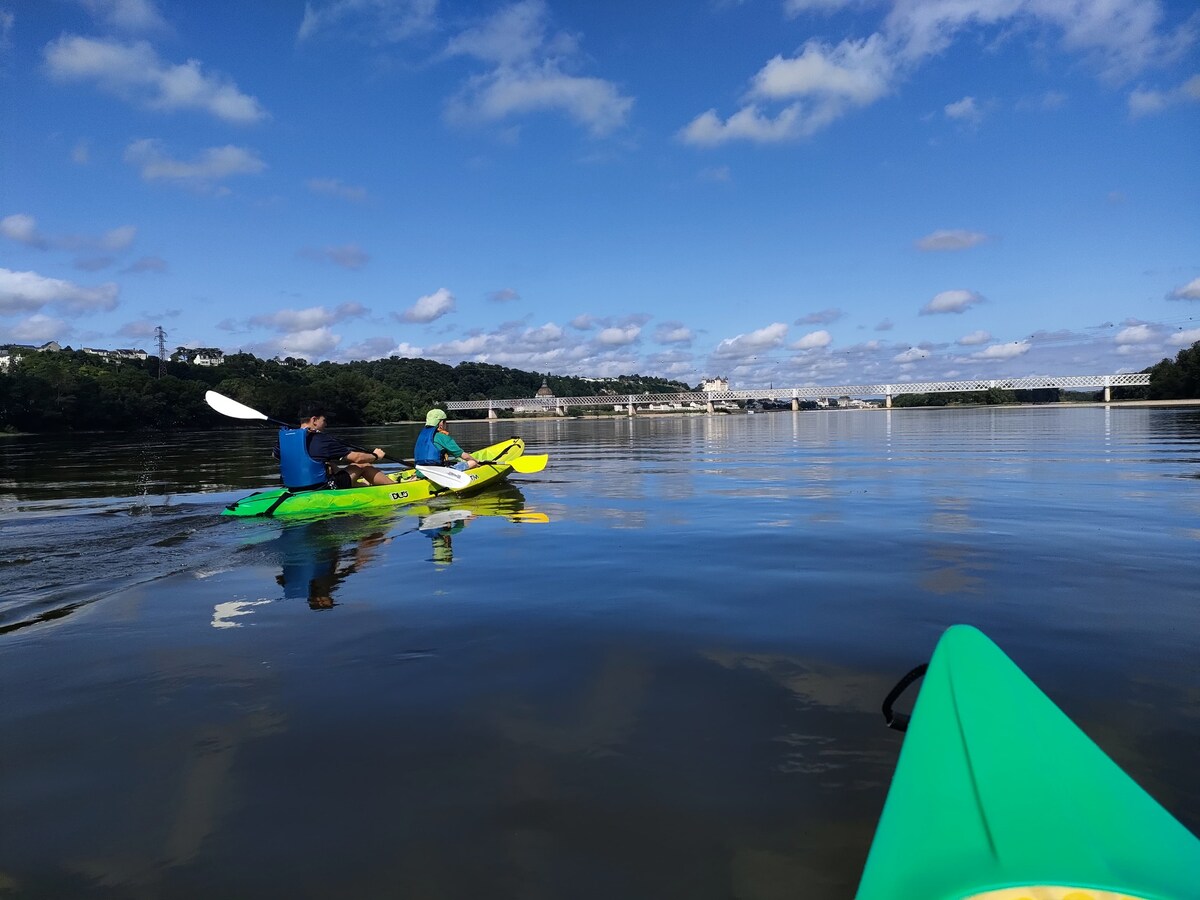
(296, 467)
(426, 452)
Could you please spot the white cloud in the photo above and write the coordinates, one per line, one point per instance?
(956, 301)
(1189, 291)
(38, 328)
(885, 325)
(146, 264)
(673, 333)
(951, 239)
(814, 340)
(369, 21)
(1150, 102)
(529, 74)
(1121, 38)
(912, 354)
(964, 110)
(1136, 334)
(504, 295)
(430, 307)
(127, 15)
(307, 320)
(334, 187)
(759, 341)
(23, 229)
(1003, 351)
(349, 256)
(309, 343)
(618, 337)
(821, 317)
(973, 339)
(1184, 338)
(28, 292)
(213, 164)
(134, 73)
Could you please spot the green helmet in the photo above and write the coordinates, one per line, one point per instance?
(435, 417)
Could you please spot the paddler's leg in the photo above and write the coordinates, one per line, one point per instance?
(369, 474)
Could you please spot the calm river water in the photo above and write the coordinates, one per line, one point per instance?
(652, 670)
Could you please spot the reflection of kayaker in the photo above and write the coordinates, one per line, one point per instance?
(441, 527)
(999, 796)
(311, 559)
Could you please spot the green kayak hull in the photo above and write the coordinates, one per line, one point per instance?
(409, 487)
(998, 795)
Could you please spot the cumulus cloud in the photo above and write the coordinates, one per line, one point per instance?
(618, 337)
(135, 73)
(23, 229)
(819, 85)
(1184, 338)
(792, 98)
(673, 333)
(964, 110)
(213, 165)
(530, 72)
(430, 307)
(127, 15)
(950, 240)
(957, 301)
(1189, 291)
(311, 319)
(1010, 350)
(335, 187)
(822, 317)
(1136, 334)
(973, 339)
(30, 292)
(755, 342)
(1148, 102)
(39, 328)
(814, 340)
(349, 256)
(367, 21)
(912, 354)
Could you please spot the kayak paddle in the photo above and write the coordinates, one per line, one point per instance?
(227, 406)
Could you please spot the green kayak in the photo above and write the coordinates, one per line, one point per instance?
(409, 487)
(999, 796)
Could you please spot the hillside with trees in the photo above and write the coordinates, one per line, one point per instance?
(74, 390)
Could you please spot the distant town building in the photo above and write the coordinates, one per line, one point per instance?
(715, 384)
(115, 355)
(12, 352)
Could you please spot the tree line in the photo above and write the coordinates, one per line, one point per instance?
(73, 390)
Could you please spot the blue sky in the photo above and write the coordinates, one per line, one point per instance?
(780, 192)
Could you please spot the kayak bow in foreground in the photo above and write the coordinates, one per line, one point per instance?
(999, 796)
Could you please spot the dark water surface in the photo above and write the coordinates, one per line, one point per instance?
(668, 689)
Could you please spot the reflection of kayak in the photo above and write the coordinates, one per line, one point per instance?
(409, 487)
(999, 796)
(506, 501)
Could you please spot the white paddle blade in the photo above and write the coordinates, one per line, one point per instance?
(227, 406)
(447, 478)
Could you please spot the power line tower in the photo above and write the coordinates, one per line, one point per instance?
(160, 338)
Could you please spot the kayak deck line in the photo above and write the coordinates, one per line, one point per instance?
(998, 795)
(407, 487)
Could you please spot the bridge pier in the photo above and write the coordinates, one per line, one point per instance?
(712, 410)
(492, 413)
(1107, 394)
(887, 401)
(631, 409)
(795, 404)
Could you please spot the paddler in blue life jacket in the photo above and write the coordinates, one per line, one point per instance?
(435, 447)
(308, 457)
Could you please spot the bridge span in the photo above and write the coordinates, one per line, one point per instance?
(808, 392)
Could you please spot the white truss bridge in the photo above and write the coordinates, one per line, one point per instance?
(812, 392)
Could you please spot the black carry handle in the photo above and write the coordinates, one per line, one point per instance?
(896, 720)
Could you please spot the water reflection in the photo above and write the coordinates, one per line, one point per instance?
(317, 556)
